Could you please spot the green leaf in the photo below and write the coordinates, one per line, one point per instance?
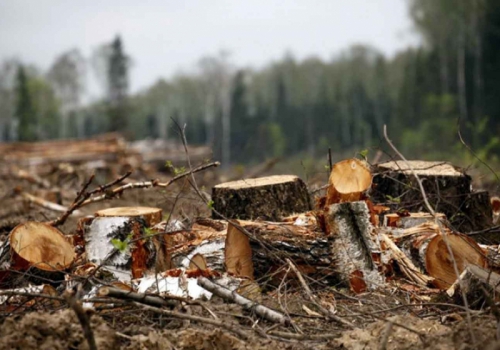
(168, 164)
(149, 232)
(119, 244)
(180, 170)
(210, 204)
(393, 199)
(364, 153)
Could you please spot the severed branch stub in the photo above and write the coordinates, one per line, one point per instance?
(260, 310)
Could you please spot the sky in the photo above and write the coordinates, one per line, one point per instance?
(164, 37)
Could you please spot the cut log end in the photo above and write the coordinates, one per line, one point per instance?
(271, 197)
(439, 262)
(35, 244)
(152, 216)
(349, 180)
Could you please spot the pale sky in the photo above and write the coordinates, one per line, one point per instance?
(166, 36)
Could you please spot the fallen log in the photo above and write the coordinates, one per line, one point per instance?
(430, 251)
(271, 198)
(41, 246)
(405, 264)
(353, 247)
(408, 220)
(308, 248)
(349, 180)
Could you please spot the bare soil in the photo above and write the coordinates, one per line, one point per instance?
(130, 327)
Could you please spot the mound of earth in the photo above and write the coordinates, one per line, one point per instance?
(57, 331)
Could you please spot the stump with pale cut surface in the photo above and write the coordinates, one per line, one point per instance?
(271, 198)
(123, 224)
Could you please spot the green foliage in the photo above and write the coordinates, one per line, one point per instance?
(395, 200)
(210, 204)
(120, 245)
(363, 154)
(148, 232)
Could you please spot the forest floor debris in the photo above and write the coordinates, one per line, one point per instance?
(346, 272)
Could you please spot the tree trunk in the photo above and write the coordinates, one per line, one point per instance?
(462, 89)
(353, 247)
(271, 198)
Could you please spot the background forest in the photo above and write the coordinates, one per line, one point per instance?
(288, 108)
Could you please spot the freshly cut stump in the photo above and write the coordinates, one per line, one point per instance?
(447, 188)
(270, 198)
(349, 180)
(151, 216)
(122, 226)
(35, 244)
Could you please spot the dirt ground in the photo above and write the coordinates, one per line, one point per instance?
(130, 327)
(61, 330)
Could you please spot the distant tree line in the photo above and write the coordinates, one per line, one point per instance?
(289, 107)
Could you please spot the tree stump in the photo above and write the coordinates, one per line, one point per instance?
(447, 188)
(270, 198)
(117, 238)
(41, 246)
